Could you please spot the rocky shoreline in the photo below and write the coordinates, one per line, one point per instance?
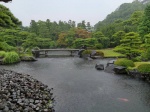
(131, 73)
(23, 93)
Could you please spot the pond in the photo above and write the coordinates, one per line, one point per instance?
(79, 87)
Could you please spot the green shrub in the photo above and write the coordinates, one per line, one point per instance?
(2, 54)
(120, 50)
(144, 68)
(124, 62)
(99, 53)
(98, 46)
(86, 52)
(11, 57)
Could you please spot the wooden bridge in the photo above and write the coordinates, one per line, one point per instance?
(44, 52)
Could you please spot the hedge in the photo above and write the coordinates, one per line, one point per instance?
(124, 62)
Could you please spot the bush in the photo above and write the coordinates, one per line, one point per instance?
(2, 54)
(120, 50)
(124, 62)
(11, 57)
(98, 46)
(99, 53)
(144, 68)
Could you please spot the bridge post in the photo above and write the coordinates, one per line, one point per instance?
(71, 53)
(46, 52)
(36, 53)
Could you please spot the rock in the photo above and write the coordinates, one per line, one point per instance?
(99, 66)
(2, 106)
(22, 93)
(111, 62)
(80, 52)
(120, 70)
(45, 110)
(28, 58)
(6, 109)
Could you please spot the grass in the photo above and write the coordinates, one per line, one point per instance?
(140, 63)
(109, 53)
(10, 58)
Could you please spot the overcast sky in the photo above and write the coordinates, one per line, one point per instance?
(89, 10)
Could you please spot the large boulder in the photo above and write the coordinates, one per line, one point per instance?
(111, 62)
(120, 70)
(80, 52)
(99, 66)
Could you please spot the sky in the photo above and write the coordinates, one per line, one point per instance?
(91, 11)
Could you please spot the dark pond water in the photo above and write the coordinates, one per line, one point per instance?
(79, 87)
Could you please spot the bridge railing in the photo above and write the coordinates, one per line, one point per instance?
(37, 53)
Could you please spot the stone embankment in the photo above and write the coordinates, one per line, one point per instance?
(110, 68)
(22, 93)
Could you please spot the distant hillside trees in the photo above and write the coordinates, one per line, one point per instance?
(123, 12)
(144, 27)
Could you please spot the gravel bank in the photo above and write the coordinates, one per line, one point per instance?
(22, 93)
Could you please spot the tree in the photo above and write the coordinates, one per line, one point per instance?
(144, 28)
(146, 43)
(130, 45)
(105, 41)
(88, 26)
(7, 19)
(82, 25)
(62, 40)
(116, 38)
(34, 27)
(43, 29)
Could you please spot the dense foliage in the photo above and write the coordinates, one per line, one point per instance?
(123, 12)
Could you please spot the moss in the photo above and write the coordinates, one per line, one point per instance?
(124, 62)
(144, 68)
(140, 63)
